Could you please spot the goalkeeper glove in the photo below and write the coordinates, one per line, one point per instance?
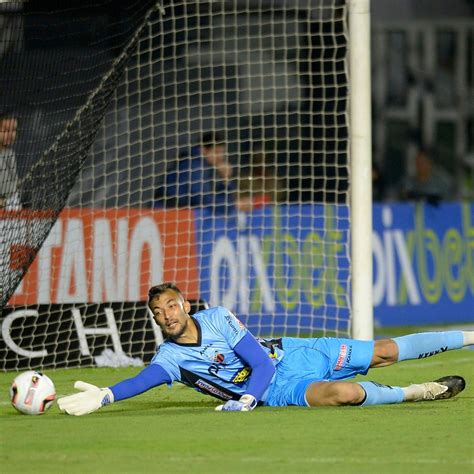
(245, 403)
(90, 399)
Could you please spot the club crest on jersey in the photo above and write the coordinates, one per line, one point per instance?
(218, 357)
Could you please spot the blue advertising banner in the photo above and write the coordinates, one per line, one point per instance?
(281, 269)
(423, 263)
(286, 268)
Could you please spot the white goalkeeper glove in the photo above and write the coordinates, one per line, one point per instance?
(245, 403)
(90, 399)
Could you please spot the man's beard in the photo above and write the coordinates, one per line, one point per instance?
(175, 335)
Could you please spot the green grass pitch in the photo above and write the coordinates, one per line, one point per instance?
(177, 431)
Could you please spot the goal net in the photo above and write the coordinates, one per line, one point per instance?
(204, 143)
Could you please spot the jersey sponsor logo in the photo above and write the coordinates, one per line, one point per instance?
(206, 386)
(216, 358)
(241, 376)
(204, 349)
(341, 357)
(211, 389)
(231, 320)
(237, 320)
(349, 355)
(214, 369)
(432, 353)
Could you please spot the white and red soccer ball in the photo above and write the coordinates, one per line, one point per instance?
(32, 393)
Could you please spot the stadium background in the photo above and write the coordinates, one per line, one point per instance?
(176, 430)
(423, 253)
(409, 104)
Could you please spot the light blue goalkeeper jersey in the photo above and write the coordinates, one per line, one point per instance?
(211, 366)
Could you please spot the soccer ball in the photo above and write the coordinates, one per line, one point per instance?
(32, 393)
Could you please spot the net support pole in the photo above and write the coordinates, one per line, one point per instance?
(360, 169)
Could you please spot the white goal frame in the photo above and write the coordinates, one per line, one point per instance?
(360, 126)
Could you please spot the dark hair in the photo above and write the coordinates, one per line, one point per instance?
(212, 138)
(7, 114)
(158, 290)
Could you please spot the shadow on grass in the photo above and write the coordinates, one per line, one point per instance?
(164, 407)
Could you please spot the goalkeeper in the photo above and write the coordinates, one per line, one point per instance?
(214, 353)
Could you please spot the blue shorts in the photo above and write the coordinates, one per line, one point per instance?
(316, 359)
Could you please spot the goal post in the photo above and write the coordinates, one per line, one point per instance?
(361, 168)
(280, 237)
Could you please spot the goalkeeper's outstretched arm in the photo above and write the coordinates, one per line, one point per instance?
(263, 370)
(91, 398)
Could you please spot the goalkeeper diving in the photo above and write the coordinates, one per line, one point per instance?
(214, 353)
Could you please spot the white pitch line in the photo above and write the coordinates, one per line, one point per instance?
(353, 460)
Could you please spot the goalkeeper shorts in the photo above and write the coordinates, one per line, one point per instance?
(315, 360)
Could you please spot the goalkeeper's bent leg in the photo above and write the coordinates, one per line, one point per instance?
(342, 393)
(378, 394)
(441, 389)
(328, 393)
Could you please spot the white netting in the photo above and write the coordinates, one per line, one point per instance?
(273, 246)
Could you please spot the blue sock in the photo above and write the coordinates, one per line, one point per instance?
(426, 344)
(378, 394)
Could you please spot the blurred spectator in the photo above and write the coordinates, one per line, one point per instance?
(430, 182)
(202, 177)
(11, 28)
(467, 187)
(260, 184)
(9, 195)
(378, 183)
